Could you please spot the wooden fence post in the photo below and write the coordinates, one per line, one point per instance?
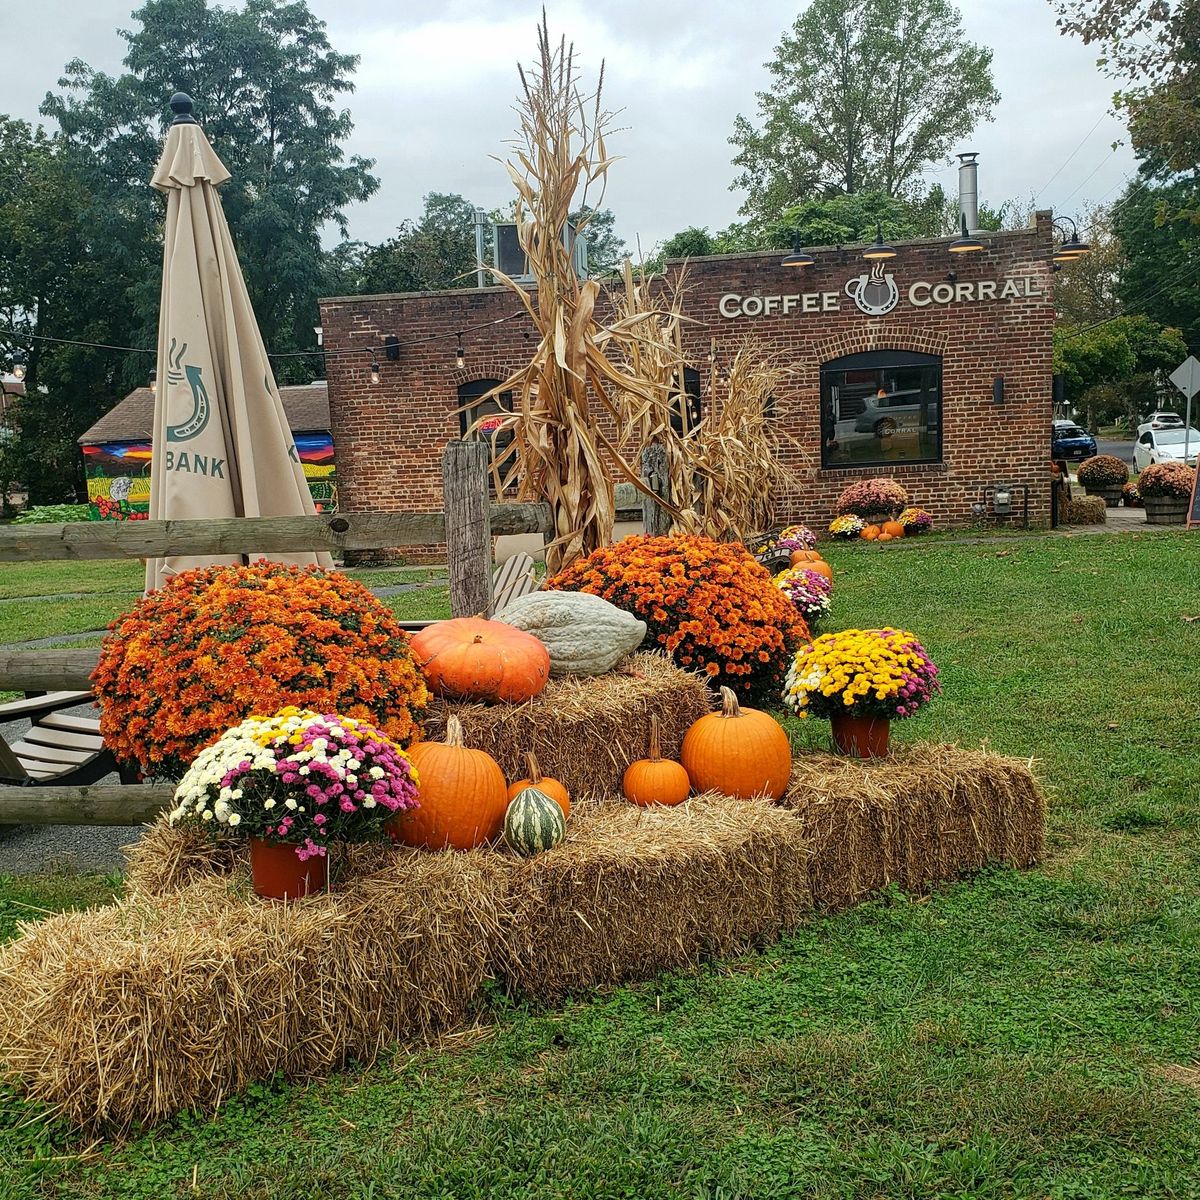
(655, 519)
(468, 527)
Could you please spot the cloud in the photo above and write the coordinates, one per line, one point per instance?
(436, 85)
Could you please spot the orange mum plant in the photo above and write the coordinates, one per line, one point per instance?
(218, 644)
(708, 604)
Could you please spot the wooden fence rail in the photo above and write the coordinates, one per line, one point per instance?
(467, 526)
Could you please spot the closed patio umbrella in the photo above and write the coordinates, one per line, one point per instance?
(222, 446)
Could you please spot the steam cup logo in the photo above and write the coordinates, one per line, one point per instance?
(875, 293)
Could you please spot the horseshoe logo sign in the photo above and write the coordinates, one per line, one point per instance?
(197, 421)
(875, 293)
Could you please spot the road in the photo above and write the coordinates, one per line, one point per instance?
(1119, 449)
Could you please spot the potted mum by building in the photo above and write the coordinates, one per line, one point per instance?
(294, 784)
(1104, 475)
(872, 499)
(1166, 489)
(862, 680)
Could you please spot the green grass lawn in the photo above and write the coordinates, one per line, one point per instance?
(1017, 1035)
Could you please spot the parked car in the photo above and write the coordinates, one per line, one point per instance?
(1161, 420)
(1067, 440)
(1166, 446)
(886, 413)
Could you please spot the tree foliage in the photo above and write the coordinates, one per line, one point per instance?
(865, 95)
(1154, 47)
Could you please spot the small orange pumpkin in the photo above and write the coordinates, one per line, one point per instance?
(544, 783)
(894, 528)
(469, 658)
(821, 567)
(870, 533)
(461, 795)
(885, 537)
(738, 751)
(655, 780)
(805, 556)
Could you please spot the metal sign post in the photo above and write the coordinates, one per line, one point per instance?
(1186, 377)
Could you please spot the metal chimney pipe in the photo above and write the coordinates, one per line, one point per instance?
(968, 189)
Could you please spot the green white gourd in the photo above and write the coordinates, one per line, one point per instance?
(534, 822)
(585, 634)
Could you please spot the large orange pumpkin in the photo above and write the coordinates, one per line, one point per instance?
(469, 658)
(894, 528)
(805, 556)
(460, 792)
(655, 780)
(738, 751)
(544, 784)
(821, 568)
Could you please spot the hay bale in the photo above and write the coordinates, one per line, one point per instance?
(168, 857)
(924, 814)
(585, 731)
(154, 1005)
(1086, 510)
(635, 891)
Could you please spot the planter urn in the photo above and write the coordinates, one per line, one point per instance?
(860, 737)
(1109, 493)
(1165, 510)
(278, 873)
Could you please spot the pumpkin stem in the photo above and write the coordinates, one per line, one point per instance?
(729, 703)
(478, 638)
(655, 747)
(454, 732)
(535, 770)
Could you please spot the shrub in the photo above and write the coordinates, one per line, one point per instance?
(809, 591)
(707, 604)
(52, 514)
(298, 777)
(1103, 471)
(218, 644)
(872, 498)
(862, 673)
(1167, 480)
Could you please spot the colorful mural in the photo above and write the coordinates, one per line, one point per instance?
(118, 476)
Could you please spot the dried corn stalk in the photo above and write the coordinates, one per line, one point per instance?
(568, 432)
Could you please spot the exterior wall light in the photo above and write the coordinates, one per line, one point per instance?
(152, 381)
(374, 370)
(460, 357)
(798, 257)
(879, 249)
(391, 347)
(965, 243)
(1072, 246)
(18, 360)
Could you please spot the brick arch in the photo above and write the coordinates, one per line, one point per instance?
(880, 337)
(485, 368)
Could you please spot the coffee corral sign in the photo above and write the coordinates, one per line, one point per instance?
(876, 293)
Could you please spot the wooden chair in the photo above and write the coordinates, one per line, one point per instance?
(58, 748)
(513, 578)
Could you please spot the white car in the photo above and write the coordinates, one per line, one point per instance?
(1166, 446)
(1161, 420)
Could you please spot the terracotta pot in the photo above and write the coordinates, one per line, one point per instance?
(279, 874)
(860, 737)
(1165, 510)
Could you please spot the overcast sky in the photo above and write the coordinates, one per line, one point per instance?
(436, 83)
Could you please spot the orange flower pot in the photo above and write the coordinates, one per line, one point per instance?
(860, 737)
(279, 874)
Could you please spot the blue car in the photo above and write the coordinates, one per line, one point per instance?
(1067, 440)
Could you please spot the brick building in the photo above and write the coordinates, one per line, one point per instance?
(931, 367)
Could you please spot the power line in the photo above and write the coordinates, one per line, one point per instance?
(1070, 156)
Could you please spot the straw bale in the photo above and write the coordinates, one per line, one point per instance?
(585, 730)
(167, 857)
(153, 1005)
(635, 891)
(925, 813)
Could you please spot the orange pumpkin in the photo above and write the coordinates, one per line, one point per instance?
(655, 780)
(544, 783)
(738, 751)
(885, 537)
(461, 795)
(870, 533)
(804, 556)
(821, 568)
(894, 528)
(469, 658)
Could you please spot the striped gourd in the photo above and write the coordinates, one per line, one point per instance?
(534, 822)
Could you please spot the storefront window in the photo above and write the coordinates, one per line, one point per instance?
(881, 408)
(495, 407)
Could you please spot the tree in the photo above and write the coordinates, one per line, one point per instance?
(1085, 292)
(866, 94)
(435, 252)
(1155, 48)
(1088, 358)
(265, 80)
(1161, 247)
